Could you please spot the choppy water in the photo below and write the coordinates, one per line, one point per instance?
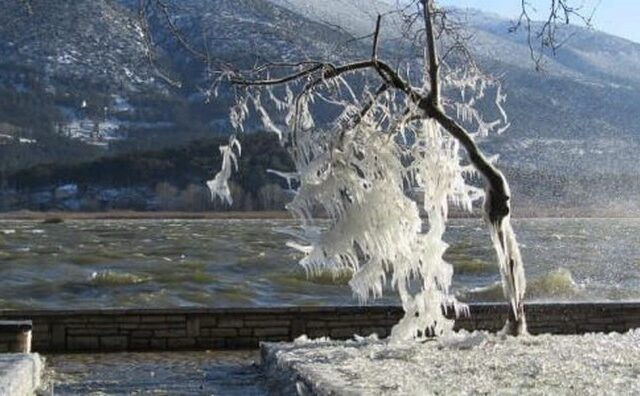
(216, 263)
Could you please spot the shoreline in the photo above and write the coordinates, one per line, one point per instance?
(58, 216)
(139, 215)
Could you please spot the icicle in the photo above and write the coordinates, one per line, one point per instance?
(219, 186)
(358, 172)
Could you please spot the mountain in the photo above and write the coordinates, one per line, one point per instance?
(77, 83)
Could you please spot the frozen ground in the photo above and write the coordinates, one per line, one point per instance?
(19, 373)
(467, 363)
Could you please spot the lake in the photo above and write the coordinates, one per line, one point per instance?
(231, 263)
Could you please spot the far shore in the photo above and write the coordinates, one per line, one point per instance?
(133, 215)
(59, 216)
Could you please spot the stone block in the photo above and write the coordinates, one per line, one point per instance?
(128, 319)
(114, 343)
(617, 327)
(153, 319)
(100, 319)
(242, 343)
(316, 323)
(223, 322)
(139, 343)
(275, 338)
(600, 320)
(271, 331)
(158, 344)
(154, 326)
(245, 332)
(171, 333)
(175, 318)
(82, 332)
(343, 333)
(221, 332)
(346, 323)
(141, 333)
(7, 337)
(193, 327)
(267, 323)
(208, 321)
(181, 343)
(317, 333)
(211, 342)
(589, 328)
(83, 343)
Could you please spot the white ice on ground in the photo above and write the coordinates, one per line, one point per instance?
(467, 363)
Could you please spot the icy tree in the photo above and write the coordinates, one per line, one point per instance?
(398, 140)
(389, 146)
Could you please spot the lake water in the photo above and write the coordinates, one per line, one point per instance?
(223, 263)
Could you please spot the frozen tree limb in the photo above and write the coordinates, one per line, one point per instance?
(545, 35)
(384, 141)
(422, 105)
(219, 185)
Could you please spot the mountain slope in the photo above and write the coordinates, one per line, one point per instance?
(97, 42)
(578, 120)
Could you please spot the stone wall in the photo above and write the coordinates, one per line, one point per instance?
(243, 328)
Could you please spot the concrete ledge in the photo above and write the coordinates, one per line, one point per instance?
(460, 364)
(20, 373)
(15, 336)
(110, 330)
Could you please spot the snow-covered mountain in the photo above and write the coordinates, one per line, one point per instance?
(579, 116)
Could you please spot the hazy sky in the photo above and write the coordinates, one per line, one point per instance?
(617, 17)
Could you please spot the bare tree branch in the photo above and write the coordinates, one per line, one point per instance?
(432, 51)
(376, 33)
(544, 35)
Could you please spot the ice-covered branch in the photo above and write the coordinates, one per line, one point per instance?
(219, 185)
(384, 142)
(497, 207)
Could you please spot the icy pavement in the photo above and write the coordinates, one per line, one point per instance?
(19, 373)
(466, 363)
(163, 373)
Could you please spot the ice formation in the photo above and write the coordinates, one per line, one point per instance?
(289, 177)
(373, 181)
(384, 160)
(219, 185)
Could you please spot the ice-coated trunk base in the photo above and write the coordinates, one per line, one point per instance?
(497, 216)
(516, 323)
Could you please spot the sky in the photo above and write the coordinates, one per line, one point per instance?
(617, 17)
